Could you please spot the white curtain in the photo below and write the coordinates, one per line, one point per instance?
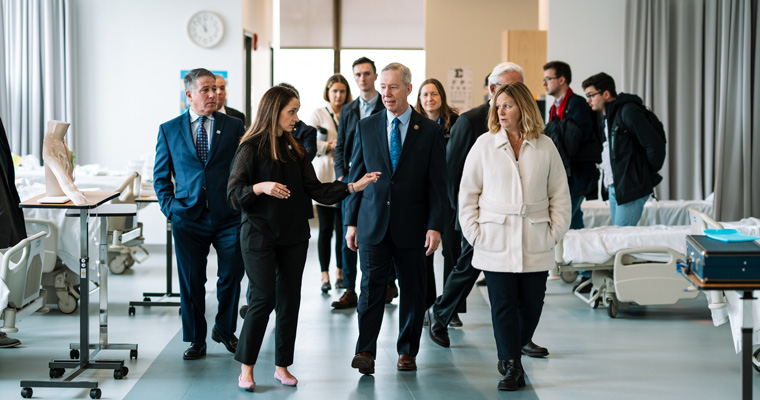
(36, 70)
(691, 62)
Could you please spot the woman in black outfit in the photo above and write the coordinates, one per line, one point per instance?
(270, 183)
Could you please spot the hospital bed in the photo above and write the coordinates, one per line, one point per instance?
(633, 265)
(21, 268)
(656, 212)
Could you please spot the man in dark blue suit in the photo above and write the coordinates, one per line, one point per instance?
(196, 149)
(397, 220)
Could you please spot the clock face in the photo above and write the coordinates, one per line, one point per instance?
(205, 29)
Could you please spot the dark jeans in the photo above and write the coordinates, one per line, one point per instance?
(377, 261)
(275, 273)
(330, 220)
(192, 241)
(457, 287)
(516, 303)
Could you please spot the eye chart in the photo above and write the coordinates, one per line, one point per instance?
(459, 88)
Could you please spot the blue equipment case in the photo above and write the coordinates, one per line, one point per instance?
(713, 260)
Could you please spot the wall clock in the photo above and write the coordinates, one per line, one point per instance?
(205, 28)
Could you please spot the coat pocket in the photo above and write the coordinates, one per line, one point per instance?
(538, 237)
(493, 231)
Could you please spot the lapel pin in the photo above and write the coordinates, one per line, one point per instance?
(416, 127)
(218, 132)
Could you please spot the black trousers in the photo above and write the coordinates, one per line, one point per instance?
(275, 273)
(516, 303)
(457, 286)
(348, 257)
(377, 261)
(330, 220)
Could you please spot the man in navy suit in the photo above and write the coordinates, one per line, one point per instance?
(196, 149)
(397, 220)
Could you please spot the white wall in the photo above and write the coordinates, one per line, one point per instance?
(128, 58)
(588, 35)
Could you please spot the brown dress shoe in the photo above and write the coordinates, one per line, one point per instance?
(391, 293)
(348, 300)
(406, 363)
(364, 362)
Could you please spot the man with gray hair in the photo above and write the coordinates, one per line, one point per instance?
(193, 156)
(221, 100)
(397, 220)
(469, 126)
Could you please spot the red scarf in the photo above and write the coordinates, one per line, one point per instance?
(562, 104)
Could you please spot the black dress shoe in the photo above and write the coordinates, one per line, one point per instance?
(533, 350)
(229, 342)
(391, 292)
(339, 283)
(455, 321)
(195, 351)
(326, 287)
(514, 375)
(438, 332)
(481, 282)
(243, 311)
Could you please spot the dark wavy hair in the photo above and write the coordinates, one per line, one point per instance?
(265, 126)
(446, 110)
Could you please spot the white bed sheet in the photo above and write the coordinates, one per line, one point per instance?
(596, 213)
(598, 245)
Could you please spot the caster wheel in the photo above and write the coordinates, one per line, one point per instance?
(67, 305)
(118, 374)
(146, 299)
(569, 277)
(612, 308)
(132, 355)
(131, 311)
(596, 303)
(26, 392)
(754, 356)
(124, 371)
(56, 372)
(74, 354)
(95, 393)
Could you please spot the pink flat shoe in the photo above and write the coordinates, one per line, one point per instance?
(286, 381)
(248, 386)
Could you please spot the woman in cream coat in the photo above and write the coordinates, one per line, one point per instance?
(325, 119)
(514, 208)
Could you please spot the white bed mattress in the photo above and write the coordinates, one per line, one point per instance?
(656, 212)
(598, 245)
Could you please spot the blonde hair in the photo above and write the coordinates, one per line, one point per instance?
(531, 123)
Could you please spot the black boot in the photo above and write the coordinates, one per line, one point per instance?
(515, 376)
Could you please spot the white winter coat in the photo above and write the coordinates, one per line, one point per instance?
(513, 213)
(324, 162)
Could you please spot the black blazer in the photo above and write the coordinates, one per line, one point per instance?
(11, 216)
(409, 201)
(235, 113)
(464, 132)
(349, 117)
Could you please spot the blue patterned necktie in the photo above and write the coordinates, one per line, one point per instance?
(367, 108)
(395, 144)
(201, 143)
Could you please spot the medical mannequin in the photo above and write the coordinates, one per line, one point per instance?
(59, 167)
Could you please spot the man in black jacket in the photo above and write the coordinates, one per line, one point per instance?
(633, 151)
(221, 95)
(469, 126)
(571, 127)
(11, 216)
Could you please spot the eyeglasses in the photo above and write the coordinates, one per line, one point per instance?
(547, 79)
(591, 95)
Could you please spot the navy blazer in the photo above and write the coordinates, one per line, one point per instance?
(195, 185)
(349, 117)
(412, 199)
